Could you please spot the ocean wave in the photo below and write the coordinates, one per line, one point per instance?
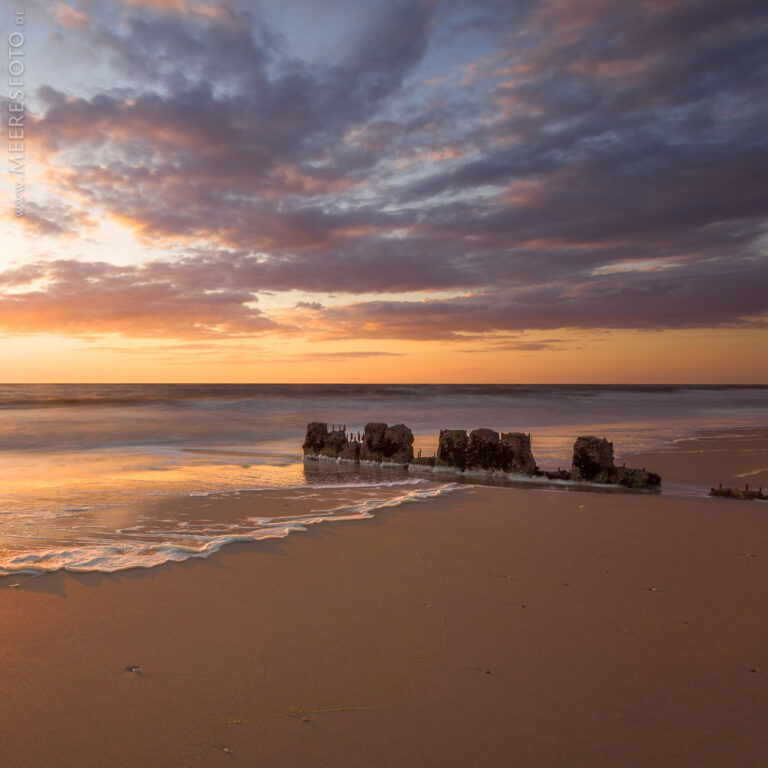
(126, 554)
(328, 486)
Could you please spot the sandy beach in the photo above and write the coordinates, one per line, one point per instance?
(489, 627)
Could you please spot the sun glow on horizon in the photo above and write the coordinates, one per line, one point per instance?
(622, 357)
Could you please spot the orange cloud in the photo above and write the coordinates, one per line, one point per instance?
(69, 17)
(77, 298)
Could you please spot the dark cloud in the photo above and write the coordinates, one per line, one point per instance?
(726, 294)
(214, 298)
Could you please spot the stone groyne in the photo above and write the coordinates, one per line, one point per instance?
(480, 451)
(377, 444)
(737, 493)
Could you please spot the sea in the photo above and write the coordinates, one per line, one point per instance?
(82, 465)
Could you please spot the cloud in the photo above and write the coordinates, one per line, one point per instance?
(499, 166)
(519, 345)
(214, 297)
(68, 16)
(335, 357)
(96, 298)
(221, 349)
(719, 295)
(54, 219)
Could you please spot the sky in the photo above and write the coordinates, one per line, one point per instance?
(386, 190)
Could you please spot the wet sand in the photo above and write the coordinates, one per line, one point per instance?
(732, 457)
(491, 627)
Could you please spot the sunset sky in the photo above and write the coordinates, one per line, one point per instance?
(389, 190)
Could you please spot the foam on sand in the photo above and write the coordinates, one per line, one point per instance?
(141, 547)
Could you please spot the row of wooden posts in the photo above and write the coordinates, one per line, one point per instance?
(358, 438)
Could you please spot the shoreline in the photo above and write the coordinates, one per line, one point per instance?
(494, 627)
(687, 463)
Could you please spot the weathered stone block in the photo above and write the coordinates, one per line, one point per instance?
(517, 455)
(484, 450)
(334, 443)
(635, 478)
(350, 451)
(452, 448)
(558, 474)
(317, 434)
(374, 442)
(592, 460)
(737, 493)
(398, 444)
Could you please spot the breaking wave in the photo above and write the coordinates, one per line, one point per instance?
(140, 546)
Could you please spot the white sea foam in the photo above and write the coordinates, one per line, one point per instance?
(329, 486)
(190, 540)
